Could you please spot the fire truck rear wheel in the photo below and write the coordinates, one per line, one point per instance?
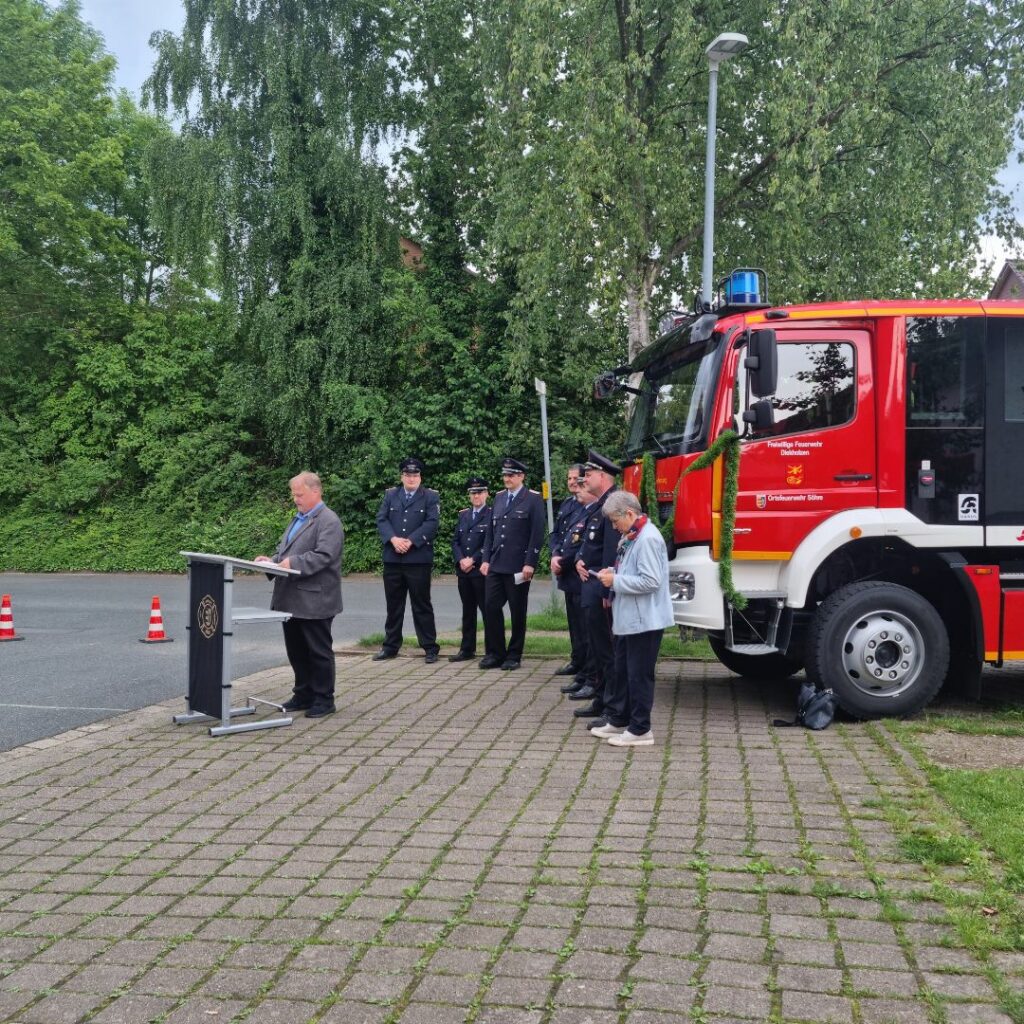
(764, 667)
(882, 648)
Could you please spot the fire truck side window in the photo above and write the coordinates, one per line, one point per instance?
(815, 388)
(945, 373)
(1013, 372)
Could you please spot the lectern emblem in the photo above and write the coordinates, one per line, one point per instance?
(206, 616)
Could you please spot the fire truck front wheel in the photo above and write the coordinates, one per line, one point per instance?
(882, 648)
(763, 667)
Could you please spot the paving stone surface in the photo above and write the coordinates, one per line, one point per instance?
(452, 846)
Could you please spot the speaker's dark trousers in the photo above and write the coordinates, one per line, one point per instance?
(629, 700)
(599, 636)
(502, 589)
(577, 632)
(413, 580)
(309, 646)
(471, 591)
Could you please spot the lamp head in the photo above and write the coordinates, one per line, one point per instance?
(725, 46)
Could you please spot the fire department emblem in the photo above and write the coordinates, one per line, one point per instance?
(761, 500)
(206, 616)
(795, 475)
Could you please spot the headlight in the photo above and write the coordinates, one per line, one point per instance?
(681, 585)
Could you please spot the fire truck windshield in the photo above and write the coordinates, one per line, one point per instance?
(671, 412)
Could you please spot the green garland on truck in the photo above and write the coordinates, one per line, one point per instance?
(726, 444)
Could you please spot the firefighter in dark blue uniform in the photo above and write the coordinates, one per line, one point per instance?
(563, 557)
(468, 544)
(596, 552)
(407, 522)
(513, 549)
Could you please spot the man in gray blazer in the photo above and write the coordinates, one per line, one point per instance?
(312, 544)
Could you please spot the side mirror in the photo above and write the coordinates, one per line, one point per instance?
(763, 362)
(605, 384)
(760, 415)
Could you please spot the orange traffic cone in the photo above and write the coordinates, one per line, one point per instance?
(7, 620)
(156, 634)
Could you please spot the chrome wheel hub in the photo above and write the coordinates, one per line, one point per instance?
(883, 653)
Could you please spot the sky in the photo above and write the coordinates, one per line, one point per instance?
(126, 25)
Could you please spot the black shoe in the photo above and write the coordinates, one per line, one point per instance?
(462, 656)
(590, 711)
(583, 693)
(319, 710)
(567, 670)
(583, 680)
(509, 666)
(384, 655)
(570, 687)
(297, 705)
(598, 723)
(430, 657)
(490, 662)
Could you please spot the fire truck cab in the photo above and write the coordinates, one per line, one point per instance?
(878, 518)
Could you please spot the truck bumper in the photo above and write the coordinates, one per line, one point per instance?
(696, 594)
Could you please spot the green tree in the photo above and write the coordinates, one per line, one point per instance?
(59, 163)
(284, 109)
(858, 146)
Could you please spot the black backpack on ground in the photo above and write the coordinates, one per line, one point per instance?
(815, 708)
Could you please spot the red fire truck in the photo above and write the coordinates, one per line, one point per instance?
(879, 513)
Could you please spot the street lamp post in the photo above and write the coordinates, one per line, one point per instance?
(542, 391)
(722, 48)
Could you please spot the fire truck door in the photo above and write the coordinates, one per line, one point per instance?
(818, 457)
(1002, 503)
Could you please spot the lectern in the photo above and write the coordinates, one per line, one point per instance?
(211, 618)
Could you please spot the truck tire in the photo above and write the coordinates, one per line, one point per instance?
(882, 649)
(763, 667)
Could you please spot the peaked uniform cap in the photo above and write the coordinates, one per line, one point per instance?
(411, 465)
(509, 465)
(595, 460)
(476, 484)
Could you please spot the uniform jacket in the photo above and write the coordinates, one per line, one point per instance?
(315, 551)
(597, 549)
(470, 539)
(642, 602)
(565, 512)
(565, 542)
(418, 521)
(517, 531)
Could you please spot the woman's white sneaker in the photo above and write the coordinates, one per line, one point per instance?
(628, 739)
(607, 730)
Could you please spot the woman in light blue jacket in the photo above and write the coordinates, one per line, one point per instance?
(641, 611)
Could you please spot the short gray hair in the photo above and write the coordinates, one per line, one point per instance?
(310, 480)
(621, 501)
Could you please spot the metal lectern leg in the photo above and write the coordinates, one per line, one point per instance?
(267, 723)
(198, 716)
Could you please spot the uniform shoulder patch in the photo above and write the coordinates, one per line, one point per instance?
(532, 491)
(461, 510)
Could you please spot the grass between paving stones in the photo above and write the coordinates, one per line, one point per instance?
(968, 866)
(546, 637)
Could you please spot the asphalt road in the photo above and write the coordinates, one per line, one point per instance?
(81, 660)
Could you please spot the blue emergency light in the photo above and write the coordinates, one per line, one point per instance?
(742, 287)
